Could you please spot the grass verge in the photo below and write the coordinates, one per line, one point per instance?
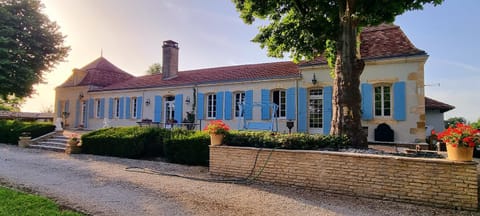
(13, 202)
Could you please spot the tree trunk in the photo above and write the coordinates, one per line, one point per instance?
(346, 104)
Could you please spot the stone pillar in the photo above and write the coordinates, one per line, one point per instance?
(24, 141)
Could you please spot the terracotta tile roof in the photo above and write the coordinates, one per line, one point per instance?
(238, 73)
(383, 41)
(100, 73)
(431, 104)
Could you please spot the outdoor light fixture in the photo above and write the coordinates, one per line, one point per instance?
(80, 96)
(187, 100)
(314, 79)
(147, 102)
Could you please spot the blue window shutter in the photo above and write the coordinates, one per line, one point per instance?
(102, 108)
(110, 108)
(327, 109)
(77, 113)
(90, 107)
(127, 108)
(179, 108)
(139, 107)
(302, 110)
(200, 105)
(399, 101)
(219, 106)
(67, 106)
(59, 109)
(367, 101)
(87, 112)
(291, 103)
(228, 105)
(122, 107)
(157, 115)
(265, 104)
(248, 109)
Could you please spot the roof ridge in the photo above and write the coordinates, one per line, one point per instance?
(381, 27)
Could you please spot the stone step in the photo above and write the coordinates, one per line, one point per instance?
(60, 137)
(47, 147)
(57, 140)
(52, 143)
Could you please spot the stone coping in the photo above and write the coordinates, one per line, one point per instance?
(352, 154)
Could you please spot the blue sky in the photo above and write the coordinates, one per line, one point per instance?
(211, 34)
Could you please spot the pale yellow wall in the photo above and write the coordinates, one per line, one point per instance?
(71, 94)
(410, 70)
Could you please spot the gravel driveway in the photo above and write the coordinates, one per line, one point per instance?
(101, 186)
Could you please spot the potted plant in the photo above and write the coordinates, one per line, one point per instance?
(73, 146)
(460, 141)
(217, 130)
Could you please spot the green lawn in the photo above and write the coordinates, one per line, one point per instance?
(17, 203)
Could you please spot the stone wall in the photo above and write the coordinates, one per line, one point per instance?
(436, 182)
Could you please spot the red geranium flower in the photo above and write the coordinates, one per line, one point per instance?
(461, 135)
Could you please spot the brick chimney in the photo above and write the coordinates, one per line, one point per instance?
(170, 59)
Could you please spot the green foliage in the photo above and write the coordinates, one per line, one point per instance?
(285, 141)
(302, 28)
(11, 130)
(130, 142)
(476, 125)
(11, 103)
(191, 149)
(451, 122)
(155, 68)
(30, 46)
(120, 142)
(18, 203)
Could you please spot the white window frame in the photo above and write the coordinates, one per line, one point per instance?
(282, 99)
(133, 108)
(116, 110)
(382, 100)
(97, 108)
(211, 106)
(239, 98)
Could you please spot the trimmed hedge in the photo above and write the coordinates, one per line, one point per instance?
(10, 130)
(129, 142)
(191, 149)
(285, 141)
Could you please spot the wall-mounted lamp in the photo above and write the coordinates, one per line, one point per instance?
(147, 102)
(314, 80)
(187, 100)
(80, 96)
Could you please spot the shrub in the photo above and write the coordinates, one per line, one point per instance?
(191, 149)
(130, 142)
(11, 130)
(284, 141)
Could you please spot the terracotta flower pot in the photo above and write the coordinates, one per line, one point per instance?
(216, 139)
(459, 153)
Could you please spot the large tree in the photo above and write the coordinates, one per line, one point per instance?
(30, 46)
(309, 28)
